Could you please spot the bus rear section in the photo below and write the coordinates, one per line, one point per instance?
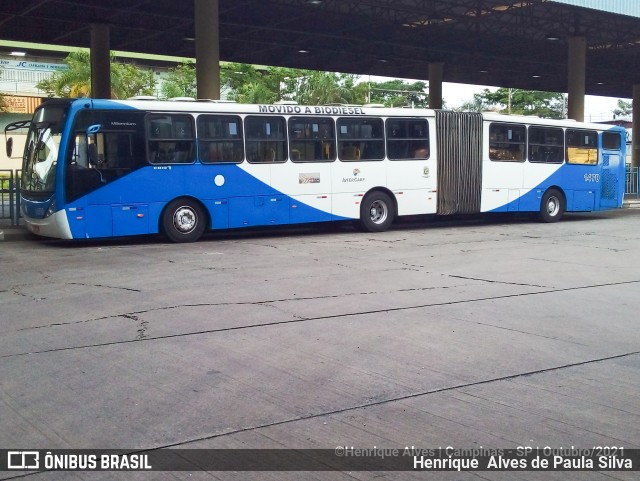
(551, 167)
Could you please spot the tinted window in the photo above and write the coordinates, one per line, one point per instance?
(611, 141)
(312, 139)
(220, 138)
(360, 139)
(170, 139)
(266, 139)
(507, 142)
(582, 146)
(546, 144)
(407, 139)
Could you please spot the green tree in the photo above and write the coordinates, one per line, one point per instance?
(320, 88)
(180, 82)
(399, 93)
(625, 109)
(477, 104)
(75, 81)
(251, 84)
(253, 93)
(522, 102)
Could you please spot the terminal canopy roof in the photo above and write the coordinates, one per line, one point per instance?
(509, 43)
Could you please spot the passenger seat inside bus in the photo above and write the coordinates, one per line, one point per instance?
(350, 152)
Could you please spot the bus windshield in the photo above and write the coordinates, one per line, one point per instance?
(41, 150)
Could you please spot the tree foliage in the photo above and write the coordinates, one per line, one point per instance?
(180, 82)
(399, 93)
(624, 109)
(75, 81)
(522, 102)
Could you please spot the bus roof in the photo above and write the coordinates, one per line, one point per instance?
(214, 106)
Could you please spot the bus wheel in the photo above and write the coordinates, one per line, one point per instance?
(376, 212)
(183, 220)
(552, 206)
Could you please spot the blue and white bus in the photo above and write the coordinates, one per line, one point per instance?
(102, 168)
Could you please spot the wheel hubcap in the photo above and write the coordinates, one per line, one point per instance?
(184, 220)
(378, 212)
(553, 206)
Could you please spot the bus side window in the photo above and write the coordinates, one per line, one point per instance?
(407, 139)
(311, 139)
(360, 138)
(266, 139)
(170, 139)
(582, 146)
(546, 145)
(220, 139)
(507, 142)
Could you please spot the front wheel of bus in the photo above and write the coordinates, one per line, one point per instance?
(552, 206)
(376, 212)
(183, 221)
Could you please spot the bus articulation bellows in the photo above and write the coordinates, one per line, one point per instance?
(103, 168)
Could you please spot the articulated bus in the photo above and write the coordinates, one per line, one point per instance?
(102, 168)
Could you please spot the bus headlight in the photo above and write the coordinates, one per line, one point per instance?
(52, 209)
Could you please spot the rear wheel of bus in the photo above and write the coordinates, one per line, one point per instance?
(377, 212)
(183, 220)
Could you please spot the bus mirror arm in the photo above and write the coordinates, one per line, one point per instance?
(21, 124)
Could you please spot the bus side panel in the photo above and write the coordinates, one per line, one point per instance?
(413, 182)
(351, 181)
(538, 177)
(583, 186)
(130, 219)
(501, 185)
(308, 187)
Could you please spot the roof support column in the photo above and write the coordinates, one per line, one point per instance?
(100, 61)
(207, 49)
(635, 132)
(435, 85)
(577, 74)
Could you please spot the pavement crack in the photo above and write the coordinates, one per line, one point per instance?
(103, 286)
(371, 404)
(492, 281)
(304, 319)
(142, 326)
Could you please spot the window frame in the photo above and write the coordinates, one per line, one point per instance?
(191, 153)
(237, 157)
(613, 134)
(357, 143)
(561, 146)
(577, 150)
(248, 138)
(491, 144)
(411, 143)
(308, 138)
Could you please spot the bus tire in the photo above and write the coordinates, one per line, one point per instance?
(552, 206)
(183, 220)
(377, 212)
